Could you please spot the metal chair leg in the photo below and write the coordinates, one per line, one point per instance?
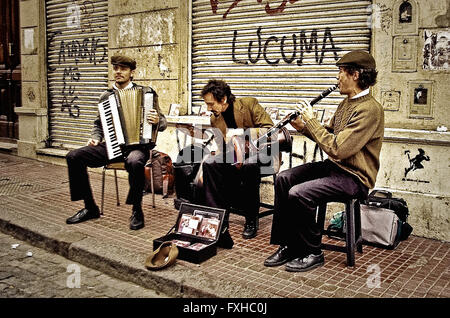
(117, 187)
(152, 186)
(103, 189)
(353, 239)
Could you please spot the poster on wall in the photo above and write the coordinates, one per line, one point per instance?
(436, 51)
(421, 99)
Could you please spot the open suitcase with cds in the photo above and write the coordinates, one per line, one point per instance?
(195, 232)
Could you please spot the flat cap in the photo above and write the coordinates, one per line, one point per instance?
(123, 61)
(358, 58)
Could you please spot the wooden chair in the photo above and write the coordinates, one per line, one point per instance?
(353, 238)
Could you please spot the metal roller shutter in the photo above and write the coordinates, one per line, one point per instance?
(77, 44)
(276, 51)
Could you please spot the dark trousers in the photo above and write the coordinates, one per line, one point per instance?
(225, 185)
(79, 160)
(298, 192)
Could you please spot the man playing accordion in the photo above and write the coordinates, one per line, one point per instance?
(95, 153)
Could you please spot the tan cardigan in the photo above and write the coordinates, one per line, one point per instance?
(353, 138)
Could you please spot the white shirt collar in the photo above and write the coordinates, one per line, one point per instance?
(363, 93)
(130, 85)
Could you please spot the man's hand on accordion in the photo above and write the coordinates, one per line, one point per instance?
(152, 117)
(93, 142)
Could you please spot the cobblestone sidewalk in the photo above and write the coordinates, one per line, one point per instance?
(27, 271)
(35, 202)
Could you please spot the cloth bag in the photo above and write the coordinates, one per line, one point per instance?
(159, 168)
(380, 227)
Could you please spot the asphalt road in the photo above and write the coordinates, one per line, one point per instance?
(30, 272)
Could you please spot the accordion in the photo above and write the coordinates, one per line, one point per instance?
(123, 115)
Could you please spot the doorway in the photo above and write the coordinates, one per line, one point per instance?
(10, 69)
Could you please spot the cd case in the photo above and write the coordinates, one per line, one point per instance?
(195, 233)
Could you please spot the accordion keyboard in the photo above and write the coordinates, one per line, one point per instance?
(110, 120)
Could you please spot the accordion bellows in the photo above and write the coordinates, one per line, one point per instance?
(132, 114)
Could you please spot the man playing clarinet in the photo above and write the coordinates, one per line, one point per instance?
(352, 142)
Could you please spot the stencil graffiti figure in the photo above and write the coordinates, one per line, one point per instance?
(416, 162)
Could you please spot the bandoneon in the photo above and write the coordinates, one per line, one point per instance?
(123, 116)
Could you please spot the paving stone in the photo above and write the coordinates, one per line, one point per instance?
(44, 275)
(419, 267)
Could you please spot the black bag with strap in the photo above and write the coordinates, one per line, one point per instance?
(383, 199)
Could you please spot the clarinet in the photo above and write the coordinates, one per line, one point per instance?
(296, 113)
(324, 94)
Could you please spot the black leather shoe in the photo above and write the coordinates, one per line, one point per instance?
(84, 215)
(136, 220)
(281, 256)
(250, 228)
(306, 263)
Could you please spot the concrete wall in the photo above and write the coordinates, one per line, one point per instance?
(33, 123)
(157, 34)
(396, 75)
(401, 55)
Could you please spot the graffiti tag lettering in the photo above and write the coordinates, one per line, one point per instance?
(82, 51)
(279, 9)
(71, 53)
(87, 10)
(303, 47)
(269, 10)
(70, 76)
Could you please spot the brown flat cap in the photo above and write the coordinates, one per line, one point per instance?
(358, 58)
(123, 61)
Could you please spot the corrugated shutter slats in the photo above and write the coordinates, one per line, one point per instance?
(255, 53)
(77, 55)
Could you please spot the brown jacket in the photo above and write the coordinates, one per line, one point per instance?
(248, 113)
(353, 138)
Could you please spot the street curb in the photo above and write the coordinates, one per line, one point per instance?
(176, 281)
